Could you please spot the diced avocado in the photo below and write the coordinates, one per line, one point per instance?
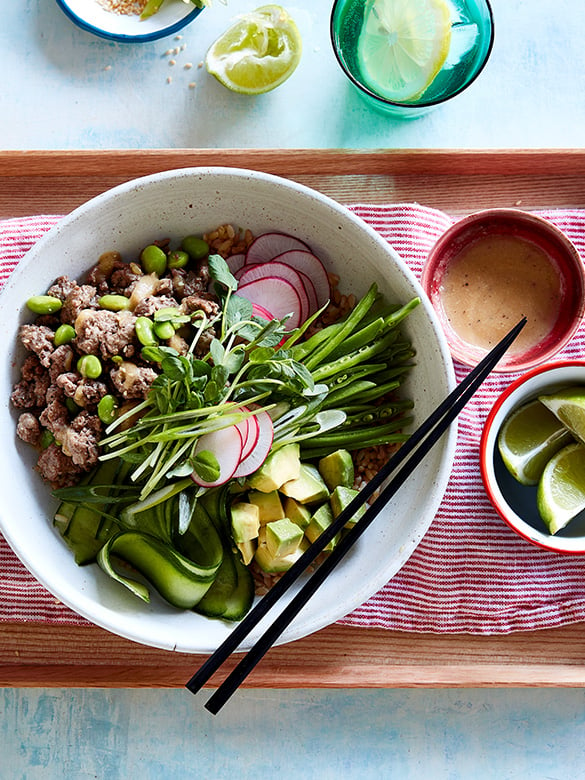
(308, 487)
(272, 565)
(298, 513)
(283, 537)
(279, 467)
(337, 469)
(247, 549)
(245, 521)
(269, 505)
(340, 498)
(321, 520)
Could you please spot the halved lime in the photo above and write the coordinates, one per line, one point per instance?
(569, 406)
(528, 439)
(561, 490)
(403, 45)
(258, 53)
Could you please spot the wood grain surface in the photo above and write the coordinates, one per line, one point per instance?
(458, 181)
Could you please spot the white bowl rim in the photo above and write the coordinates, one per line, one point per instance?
(154, 35)
(78, 602)
(518, 392)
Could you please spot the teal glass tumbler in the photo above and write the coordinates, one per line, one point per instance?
(471, 43)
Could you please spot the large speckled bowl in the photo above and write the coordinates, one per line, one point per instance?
(174, 204)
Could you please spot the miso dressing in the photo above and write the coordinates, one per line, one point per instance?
(494, 282)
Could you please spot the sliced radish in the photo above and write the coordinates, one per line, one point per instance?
(310, 265)
(235, 262)
(268, 245)
(281, 271)
(262, 447)
(226, 445)
(260, 311)
(252, 437)
(278, 294)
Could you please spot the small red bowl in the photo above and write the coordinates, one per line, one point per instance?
(503, 242)
(515, 503)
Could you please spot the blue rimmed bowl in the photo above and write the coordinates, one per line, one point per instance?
(94, 18)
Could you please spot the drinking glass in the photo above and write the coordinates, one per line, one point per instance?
(472, 37)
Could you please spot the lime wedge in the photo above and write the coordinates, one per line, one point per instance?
(561, 490)
(256, 54)
(403, 45)
(569, 406)
(528, 439)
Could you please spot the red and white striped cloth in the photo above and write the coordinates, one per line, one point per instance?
(470, 573)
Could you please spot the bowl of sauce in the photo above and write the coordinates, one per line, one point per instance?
(493, 267)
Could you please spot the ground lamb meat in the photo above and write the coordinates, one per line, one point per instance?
(124, 278)
(203, 302)
(29, 429)
(152, 303)
(55, 417)
(38, 339)
(196, 282)
(31, 391)
(106, 333)
(61, 361)
(132, 381)
(86, 393)
(61, 287)
(57, 468)
(80, 440)
(84, 297)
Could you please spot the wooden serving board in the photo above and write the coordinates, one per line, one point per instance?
(40, 655)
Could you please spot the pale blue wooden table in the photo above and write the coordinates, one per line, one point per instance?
(63, 89)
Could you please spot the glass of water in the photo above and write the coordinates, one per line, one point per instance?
(407, 57)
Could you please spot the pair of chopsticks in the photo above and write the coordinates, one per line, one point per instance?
(417, 446)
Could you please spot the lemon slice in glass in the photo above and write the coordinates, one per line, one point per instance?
(561, 490)
(257, 53)
(528, 439)
(569, 406)
(403, 45)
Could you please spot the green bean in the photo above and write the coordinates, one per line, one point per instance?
(89, 366)
(145, 334)
(177, 259)
(195, 247)
(107, 409)
(44, 304)
(154, 260)
(359, 339)
(114, 302)
(64, 334)
(347, 327)
(355, 358)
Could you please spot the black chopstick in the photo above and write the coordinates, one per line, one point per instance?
(426, 436)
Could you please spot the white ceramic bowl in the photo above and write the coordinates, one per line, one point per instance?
(516, 503)
(174, 204)
(129, 28)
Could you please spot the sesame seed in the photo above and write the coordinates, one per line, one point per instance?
(172, 62)
(188, 65)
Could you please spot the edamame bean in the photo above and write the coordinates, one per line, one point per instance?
(144, 328)
(47, 438)
(64, 334)
(114, 302)
(154, 260)
(44, 304)
(72, 407)
(195, 247)
(89, 366)
(107, 409)
(178, 259)
(164, 330)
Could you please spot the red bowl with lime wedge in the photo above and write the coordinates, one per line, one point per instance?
(539, 417)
